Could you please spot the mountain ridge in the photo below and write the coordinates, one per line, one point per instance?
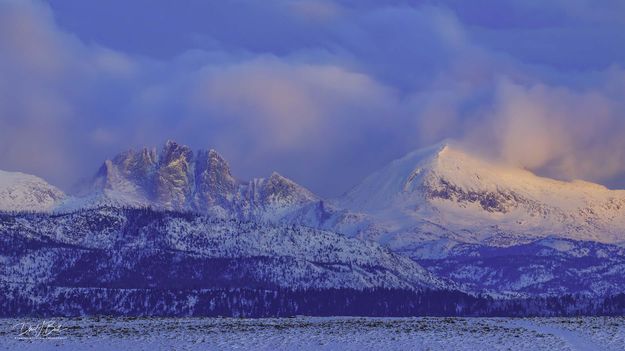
(437, 193)
(448, 193)
(177, 178)
(116, 244)
(458, 215)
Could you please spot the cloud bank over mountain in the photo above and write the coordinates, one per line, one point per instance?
(322, 91)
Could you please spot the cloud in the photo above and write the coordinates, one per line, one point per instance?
(560, 132)
(48, 92)
(554, 131)
(31, 62)
(322, 91)
(316, 10)
(292, 104)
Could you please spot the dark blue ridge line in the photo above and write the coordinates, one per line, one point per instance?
(15, 301)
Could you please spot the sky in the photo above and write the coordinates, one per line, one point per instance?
(321, 91)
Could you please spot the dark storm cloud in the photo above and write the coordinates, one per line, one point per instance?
(322, 91)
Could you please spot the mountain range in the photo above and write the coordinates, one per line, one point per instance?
(440, 192)
(441, 217)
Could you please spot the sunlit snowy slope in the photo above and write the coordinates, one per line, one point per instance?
(25, 192)
(443, 195)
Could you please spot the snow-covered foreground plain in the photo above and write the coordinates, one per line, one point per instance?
(587, 333)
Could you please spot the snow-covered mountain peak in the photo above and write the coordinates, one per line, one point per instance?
(177, 178)
(406, 175)
(449, 172)
(451, 192)
(25, 192)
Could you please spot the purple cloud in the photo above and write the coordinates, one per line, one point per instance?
(322, 91)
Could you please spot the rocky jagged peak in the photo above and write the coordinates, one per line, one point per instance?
(148, 156)
(278, 188)
(132, 161)
(175, 179)
(215, 185)
(173, 152)
(105, 173)
(213, 161)
(275, 176)
(130, 172)
(214, 154)
(278, 182)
